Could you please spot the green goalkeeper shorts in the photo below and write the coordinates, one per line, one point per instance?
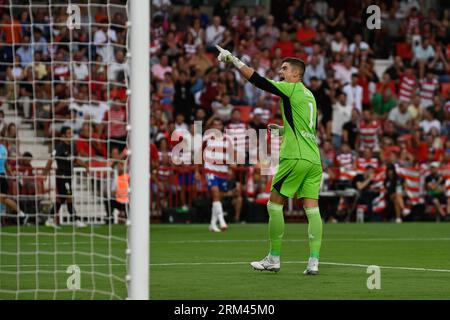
(297, 176)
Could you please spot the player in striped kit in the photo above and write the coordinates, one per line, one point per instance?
(217, 153)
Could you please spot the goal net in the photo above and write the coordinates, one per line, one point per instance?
(64, 76)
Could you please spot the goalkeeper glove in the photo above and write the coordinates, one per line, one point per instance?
(227, 57)
(274, 127)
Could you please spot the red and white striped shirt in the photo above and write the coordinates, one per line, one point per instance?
(346, 163)
(217, 154)
(369, 133)
(237, 132)
(412, 176)
(164, 173)
(427, 90)
(406, 88)
(379, 203)
(363, 163)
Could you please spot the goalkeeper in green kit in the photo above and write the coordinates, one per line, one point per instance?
(299, 170)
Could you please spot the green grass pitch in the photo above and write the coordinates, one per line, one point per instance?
(189, 262)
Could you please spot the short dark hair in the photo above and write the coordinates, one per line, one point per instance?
(296, 62)
(65, 129)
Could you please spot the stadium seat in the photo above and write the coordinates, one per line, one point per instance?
(245, 112)
(404, 50)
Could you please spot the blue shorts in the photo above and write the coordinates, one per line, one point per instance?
(216, 181)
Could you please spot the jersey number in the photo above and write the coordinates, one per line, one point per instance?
(311, 114)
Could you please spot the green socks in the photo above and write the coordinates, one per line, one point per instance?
(314, 231)
(276, 227)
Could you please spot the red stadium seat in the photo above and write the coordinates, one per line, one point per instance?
(404, 50)
(245, 112)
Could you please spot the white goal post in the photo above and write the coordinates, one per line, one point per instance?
(139, 231)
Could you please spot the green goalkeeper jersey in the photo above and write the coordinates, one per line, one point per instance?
(299, 112)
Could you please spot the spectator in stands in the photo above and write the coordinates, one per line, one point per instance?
(200, 62)
(119, 65)
(435, 190)
(407, 84)
(88, 145)
(394, 192)
(313, 69)
(343, 71)
(38, 67)
(214, 34)
(323, 93)
(369, 131)
(366, 185)
(423, 55)
(11, 29)
(25, 51)
(25, 96)
(285, 45)
(342, 113)
(396, 70)
(383, 102)
(339, 44)
(415, 109)
(166, 91)
(114, 127)
(161, 68)
(392, 28)
(354, 93)
(350, 131)
(222, 9)
(440, 64)
(429, 121)
(428, 88)
(223, 108)
(359, 44)
(269, 33)
(401, 118)
(39, 42)
(306, 34)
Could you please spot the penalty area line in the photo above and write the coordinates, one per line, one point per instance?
(183, 264)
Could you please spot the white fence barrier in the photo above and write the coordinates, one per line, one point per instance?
(90, 191)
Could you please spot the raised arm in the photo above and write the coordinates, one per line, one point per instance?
(248, 73)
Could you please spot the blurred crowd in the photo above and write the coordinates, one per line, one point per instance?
(383, 134)
(53, 76)
(375, 131)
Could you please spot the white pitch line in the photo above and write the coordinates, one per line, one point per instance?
(175, 264)
(237, 241)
